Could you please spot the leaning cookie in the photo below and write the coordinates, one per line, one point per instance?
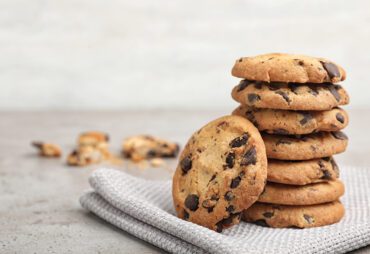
(221, 171)
(302, 172)
(316, 193)
(290, 96)
(276, 121)
(305, 147)
(306, 216)
(276, 67)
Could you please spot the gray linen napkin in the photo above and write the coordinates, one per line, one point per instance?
(144, 209)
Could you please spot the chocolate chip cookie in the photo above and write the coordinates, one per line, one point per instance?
(290, 96)
(302, 172)
(221, 171)
(143, 147)
(276, 67)
(316, 193)
(305, 147)
(305, 216)
(289, 122)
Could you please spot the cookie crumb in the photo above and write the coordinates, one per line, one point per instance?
(47, 149)
(92, 148)
(157, 162)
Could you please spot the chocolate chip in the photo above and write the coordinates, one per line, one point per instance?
(333, 163)
(215, 197)
(326, 175)
(230, 160)
(229, 196)
(186, 164)
(239, 141)
(250, 157)
(242, 85)
(250, 116)
(227, 221)
(213, 178)
(321, 164)
(240, 60)
(252, 98)
(300, 62)
(334, 92)
(230, 209)
(337, 87)
(235, 182)
(219, 227)
(284, 95)
(293, 87)
(280, 131)
(335, 167)
(268, 214)
(339, 135)
(262, 223)
(340, 117)
(306, 118)
(331, 69)
(186, 215)
(308, 218)
(192, 202)
(151, 154)
(38, 144)
(314, 91)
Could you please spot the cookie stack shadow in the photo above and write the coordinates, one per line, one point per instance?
(294, 101)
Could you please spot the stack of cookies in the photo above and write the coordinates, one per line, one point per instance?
(294, 102)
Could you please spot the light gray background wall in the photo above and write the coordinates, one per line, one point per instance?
(91, 54)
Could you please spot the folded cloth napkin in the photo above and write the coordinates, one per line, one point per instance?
(145, 209)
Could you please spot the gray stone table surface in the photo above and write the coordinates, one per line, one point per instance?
(39, 209)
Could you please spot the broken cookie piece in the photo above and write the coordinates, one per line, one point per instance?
(47, 149)
(142, 147)
(84, 155)
(93, 138)
(92, 148)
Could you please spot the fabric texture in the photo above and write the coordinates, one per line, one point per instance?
(145, 209)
